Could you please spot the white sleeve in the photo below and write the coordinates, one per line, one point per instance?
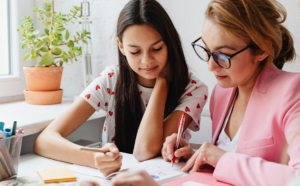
(193, 101)
(99, 92)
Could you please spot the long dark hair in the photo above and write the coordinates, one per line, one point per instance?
(128, 105)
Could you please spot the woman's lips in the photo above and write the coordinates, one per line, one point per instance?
(149, 70)
(220, 77)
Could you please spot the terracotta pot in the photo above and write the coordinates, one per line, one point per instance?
(43, 97)
(43, 78)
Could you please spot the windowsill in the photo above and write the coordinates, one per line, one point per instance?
(34, 118)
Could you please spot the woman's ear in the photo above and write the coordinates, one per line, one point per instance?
(263, 55)
(120, 45)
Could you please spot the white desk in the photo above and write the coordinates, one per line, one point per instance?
(30, 163)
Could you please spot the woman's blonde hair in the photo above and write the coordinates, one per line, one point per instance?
(260, 22)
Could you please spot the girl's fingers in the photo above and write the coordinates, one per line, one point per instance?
(87, 183)
(99, 157)
(170, 143)
(117, 163)
(110, 147)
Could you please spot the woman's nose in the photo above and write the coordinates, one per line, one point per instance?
(212, 65)
(147, 58)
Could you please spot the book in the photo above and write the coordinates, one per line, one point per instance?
(56, 175)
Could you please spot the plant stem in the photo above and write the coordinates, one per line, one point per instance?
(52, 19)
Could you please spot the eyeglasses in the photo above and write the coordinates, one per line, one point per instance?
(223, 60)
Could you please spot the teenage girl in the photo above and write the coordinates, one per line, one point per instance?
(143, 96)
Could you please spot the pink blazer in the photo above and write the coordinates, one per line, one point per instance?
(268, 151)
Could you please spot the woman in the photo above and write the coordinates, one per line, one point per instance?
(144, 95)
(255, 107)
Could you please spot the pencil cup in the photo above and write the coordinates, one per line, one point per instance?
(1, 125)
(10, 150)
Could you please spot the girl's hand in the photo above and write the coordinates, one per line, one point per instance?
(207, 153)
(136, 178)
(184, 151)
(108, 162)
(165, 73)
(87, 183)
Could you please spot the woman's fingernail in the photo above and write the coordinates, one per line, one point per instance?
(114, 149)
(170, 157)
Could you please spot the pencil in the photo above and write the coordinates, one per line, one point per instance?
(88, 149)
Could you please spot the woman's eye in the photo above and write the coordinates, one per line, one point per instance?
(134, 53)
(156, 50)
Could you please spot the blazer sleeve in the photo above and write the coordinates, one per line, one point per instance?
(240, 169)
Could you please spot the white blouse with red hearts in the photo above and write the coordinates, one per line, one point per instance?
(100, 95)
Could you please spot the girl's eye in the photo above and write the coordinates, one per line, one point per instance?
(134, 53)
(156, 50)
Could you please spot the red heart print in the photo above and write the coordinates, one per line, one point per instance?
(110, 113)
(199, 122)
(141, 92)
(99, 104)
(111, 74)
(146, 105)
(196, 126)
(97, 87)
(108, 90)
(112, 69)
(112, 93)
(106, 104)
(105, 127)
(194, 82)
(88, 96)
(113, 139)
(99, 75)
(198, 106)
(205, 97)
(187, 109)
(196, 87)
(189, 94)
(117, 65)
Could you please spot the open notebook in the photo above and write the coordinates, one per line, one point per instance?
(160, 170)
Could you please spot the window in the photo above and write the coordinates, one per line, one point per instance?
(4, 38)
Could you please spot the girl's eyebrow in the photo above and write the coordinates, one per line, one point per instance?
(160, 40)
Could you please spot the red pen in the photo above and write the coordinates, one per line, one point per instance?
(180, 129)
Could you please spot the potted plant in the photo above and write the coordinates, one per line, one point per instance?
(49, 46)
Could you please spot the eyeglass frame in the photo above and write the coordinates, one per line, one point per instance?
(212, 53)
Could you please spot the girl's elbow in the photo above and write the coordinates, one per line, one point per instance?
(144, 154)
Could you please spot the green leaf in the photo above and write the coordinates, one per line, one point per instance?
(34, 57)
(27, 57)
(44, 49)
(24, 46)
(47, 31)
(35, 32)
(61, 63)
(67, 35)
(70, 43)
(57, 51)
(43, 36)
(48, 14)
(33, 52)
(47, 58)
(40, 64)
(85, 41)
(40, 45)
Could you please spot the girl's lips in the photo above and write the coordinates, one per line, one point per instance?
(221, 77)
(149, 70)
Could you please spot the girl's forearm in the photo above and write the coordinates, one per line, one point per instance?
(53, 145)
(149, 139)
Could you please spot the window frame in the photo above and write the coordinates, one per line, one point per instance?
(15, 83)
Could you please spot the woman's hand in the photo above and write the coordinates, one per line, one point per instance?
(185, 151)
(207, 153)
(165, 73)
(108, 162)
(136, 178)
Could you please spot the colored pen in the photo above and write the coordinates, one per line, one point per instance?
(180, 130)
(14, 128)
(2, 126)
(87, 149)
